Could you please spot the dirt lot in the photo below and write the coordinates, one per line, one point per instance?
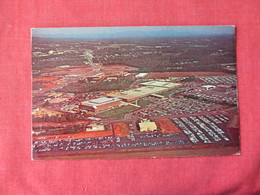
(90, 134)
(167, 126)
(60, 123)
(45, 79)
(46, 82)
(112, 69)
(87, 71)
(121, 128)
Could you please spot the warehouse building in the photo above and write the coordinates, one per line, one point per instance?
(149, 88)
(162, 84)
(100, 104)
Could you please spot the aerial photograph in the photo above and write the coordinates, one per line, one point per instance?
(134, 92)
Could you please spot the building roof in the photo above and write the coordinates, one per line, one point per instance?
(144, 91)
(208, 86)
(147, 125)
(160, 84)
(135, 93)
(140, 75)
(96, 127)
(99, 101)
(96, 75)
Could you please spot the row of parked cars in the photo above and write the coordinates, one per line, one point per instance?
(226, 79)
(203, 128)
(175, 106)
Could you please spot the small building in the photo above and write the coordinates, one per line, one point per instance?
(126, 74)
(208, 87)
(95, 127)
(141, 75)
(95, 77)
(146, 125)
(111, 78)
(51, 52)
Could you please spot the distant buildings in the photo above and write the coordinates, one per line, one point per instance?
(111, 78)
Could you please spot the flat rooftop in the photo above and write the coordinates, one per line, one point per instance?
(147, 125)
(99, 101)
(163, 84)
(141, 75)
(140, 92)
(97, 75)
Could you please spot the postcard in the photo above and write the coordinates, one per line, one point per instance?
(134, 92)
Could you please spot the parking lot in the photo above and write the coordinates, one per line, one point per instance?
(174, 106)
(217, 95)
(226, 79)
(204, 128)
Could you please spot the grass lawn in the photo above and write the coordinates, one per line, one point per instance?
(117, 113)
(170, 92)
(143, 102)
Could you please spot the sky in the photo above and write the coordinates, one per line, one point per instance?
(133, 32)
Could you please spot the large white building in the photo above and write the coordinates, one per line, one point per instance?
(100, 104)
(148, 88)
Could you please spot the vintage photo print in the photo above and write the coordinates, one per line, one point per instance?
(134, 92)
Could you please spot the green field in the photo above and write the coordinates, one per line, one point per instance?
(169, 92)
(118, 113)
(143, 102)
